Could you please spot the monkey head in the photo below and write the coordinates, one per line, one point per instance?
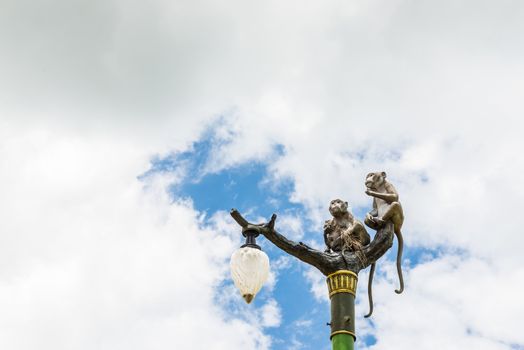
(375, 180)
(338, 208)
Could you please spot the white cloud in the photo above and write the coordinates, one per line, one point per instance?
(271, 314)
(318, 284)
(301, 329)
(452, 302)
(292, 225)
(88, 248)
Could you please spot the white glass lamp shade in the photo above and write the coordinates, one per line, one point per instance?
(249, 269)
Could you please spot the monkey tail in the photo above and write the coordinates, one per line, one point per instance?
(370, 290)
(399, 261)
(343, 257)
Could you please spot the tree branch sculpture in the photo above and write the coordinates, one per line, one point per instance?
(326, 262)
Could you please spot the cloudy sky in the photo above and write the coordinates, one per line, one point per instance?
(128, 129)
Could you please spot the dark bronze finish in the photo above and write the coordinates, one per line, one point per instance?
(250, 239)
(327, 263)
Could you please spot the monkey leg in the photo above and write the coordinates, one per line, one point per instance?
(394, 210)
(371, 223)
(360, 233)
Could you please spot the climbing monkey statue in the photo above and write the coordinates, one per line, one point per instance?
(386, 207)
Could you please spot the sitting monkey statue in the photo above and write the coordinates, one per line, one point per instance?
(343, 232)
(386, 207)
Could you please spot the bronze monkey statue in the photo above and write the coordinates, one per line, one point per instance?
(343, 231)
(386, 207)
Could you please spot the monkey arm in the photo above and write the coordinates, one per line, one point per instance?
(392, 191)
(326, 240)
(327, 230)
(328, 227)
(360, 231)
(373, 212)
(388, 197)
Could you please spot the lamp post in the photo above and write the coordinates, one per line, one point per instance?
(349, 250)
(249, 266)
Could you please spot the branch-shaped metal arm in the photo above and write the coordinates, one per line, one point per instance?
(238, 218)
(379, 246)
(298, 250)
(327, 263)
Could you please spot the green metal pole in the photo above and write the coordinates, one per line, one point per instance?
(343, 342)
(342, 286)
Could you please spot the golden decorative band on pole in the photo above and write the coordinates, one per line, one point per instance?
(343, 332)
(342, 281)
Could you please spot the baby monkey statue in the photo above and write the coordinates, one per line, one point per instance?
(343, 232)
